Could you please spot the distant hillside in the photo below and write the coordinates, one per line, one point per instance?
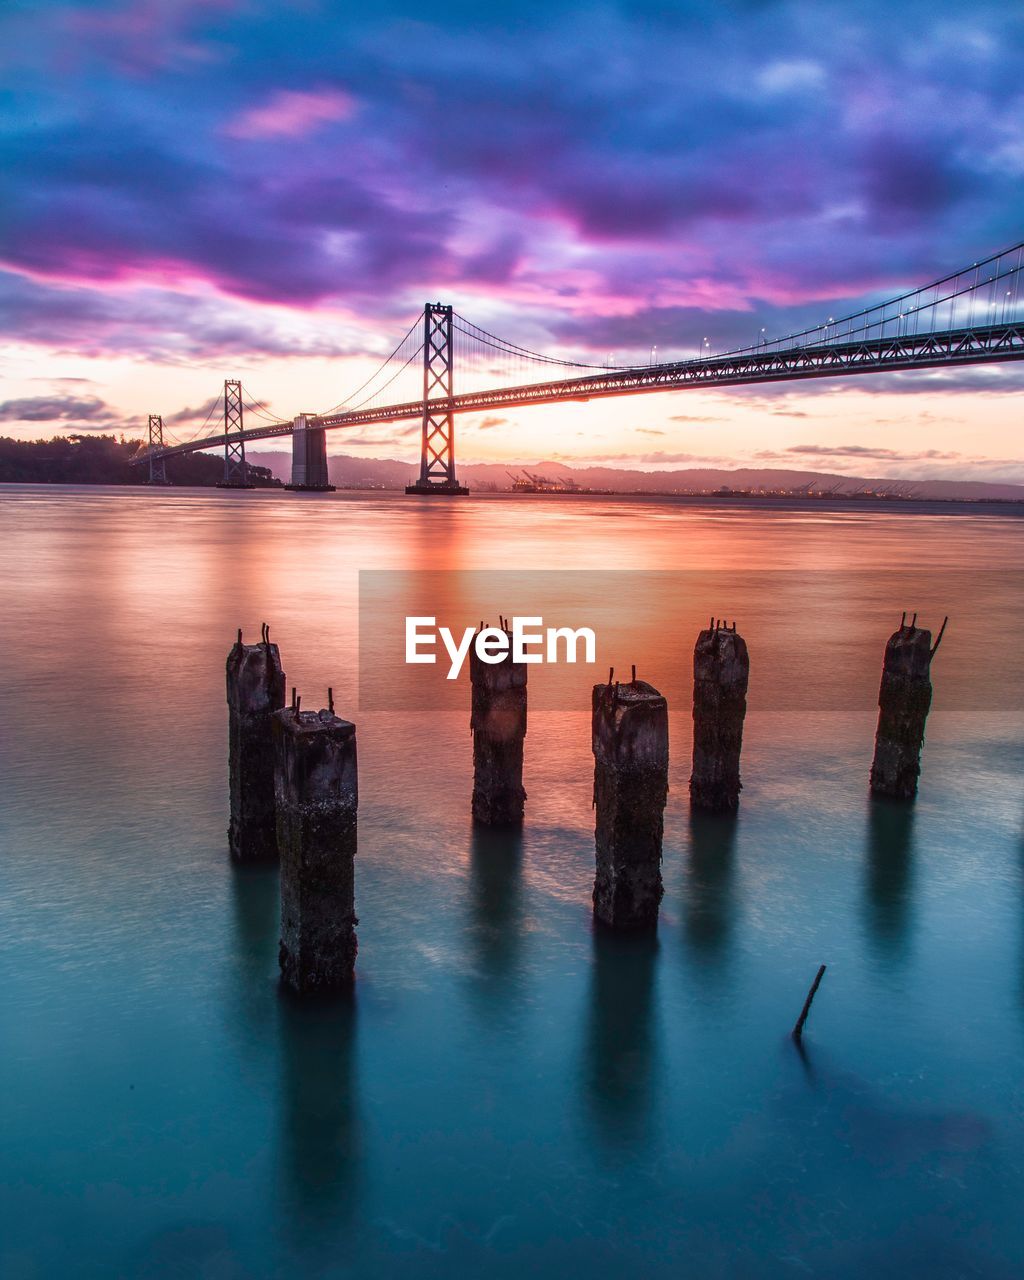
(386, 473)
(104, 459)
(100, 459)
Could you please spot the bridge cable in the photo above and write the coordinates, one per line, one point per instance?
(843, 327)
(513, 348)
(376, 373)
(197, 433)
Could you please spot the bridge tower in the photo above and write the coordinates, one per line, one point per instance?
(157, 466)
(236, 472)
(437, 443)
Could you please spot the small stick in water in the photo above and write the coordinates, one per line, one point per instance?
(798, 1030)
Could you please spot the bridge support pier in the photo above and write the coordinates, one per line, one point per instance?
(255, 684)
(630, 742)
(309, 457)
(904, 699)
(721, 669)
(317, 800)
(498, 722)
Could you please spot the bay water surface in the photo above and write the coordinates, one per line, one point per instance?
(508, 1092)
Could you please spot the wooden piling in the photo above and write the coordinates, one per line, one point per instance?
(721, 668)
(904, 699)
(630, 744)
(255, 689)
(498, 722)
(317, 802)
(798, 1030)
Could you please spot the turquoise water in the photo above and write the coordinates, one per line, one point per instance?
(507, 1093)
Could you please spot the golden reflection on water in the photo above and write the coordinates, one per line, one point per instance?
(123, 604)
(504, 1062)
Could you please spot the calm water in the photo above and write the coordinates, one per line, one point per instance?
(508, 1093)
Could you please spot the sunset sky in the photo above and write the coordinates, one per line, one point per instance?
(197, 190)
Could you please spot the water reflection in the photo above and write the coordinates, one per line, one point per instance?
(255, 904)
(919, 1171)
(621, 1046)
(733, 1175)
(709, 909)
(875, 1129)
(319, 1145)
(496, 913)
(1020, 866)
(250, 972)
(889, 876)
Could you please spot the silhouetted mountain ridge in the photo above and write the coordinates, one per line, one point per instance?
(387, 473)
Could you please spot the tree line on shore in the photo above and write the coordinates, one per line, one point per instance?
(105, 459)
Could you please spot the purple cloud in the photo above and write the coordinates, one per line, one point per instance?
(166, 326)
(57, 409)
(393, 434)
(188, 415)
(290, 113)
(869, 451)
(606, 178)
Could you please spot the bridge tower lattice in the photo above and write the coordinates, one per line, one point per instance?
(157, 466)
(437, 441)
(236, 472)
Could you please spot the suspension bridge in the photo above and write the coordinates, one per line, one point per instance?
(972, 316)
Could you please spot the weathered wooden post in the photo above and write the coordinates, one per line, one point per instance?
(498, 722)
(798, 1029)
(630, 743)
(256, 687)
(721, 668)
(904, 699)
(317, 801)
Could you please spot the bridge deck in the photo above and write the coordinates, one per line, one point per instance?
(979, 344)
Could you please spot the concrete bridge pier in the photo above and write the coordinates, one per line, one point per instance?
(904, 699)
(256, 686)
(721, 669)
(317, 797)
(498, 722)
(309, 456)
(630, 743)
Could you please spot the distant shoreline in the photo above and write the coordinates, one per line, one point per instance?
(105, 459)
(832, 503)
